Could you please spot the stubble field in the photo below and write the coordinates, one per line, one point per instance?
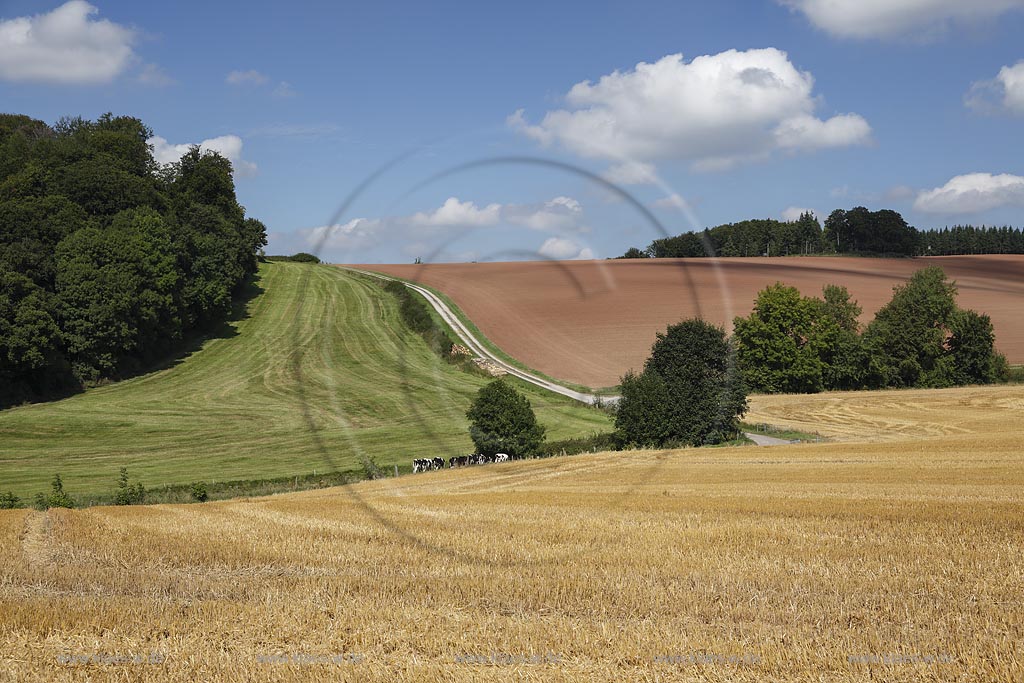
(899, 559)
(587, 322)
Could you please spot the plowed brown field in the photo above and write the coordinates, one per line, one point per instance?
(589, 321)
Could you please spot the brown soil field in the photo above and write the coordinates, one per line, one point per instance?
(587, 322)
(870, 560)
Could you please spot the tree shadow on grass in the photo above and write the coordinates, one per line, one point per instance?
(193, 341)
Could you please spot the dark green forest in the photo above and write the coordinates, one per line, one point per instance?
(109, 260)
(856, 231)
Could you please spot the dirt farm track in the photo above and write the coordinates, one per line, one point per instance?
(589, 321)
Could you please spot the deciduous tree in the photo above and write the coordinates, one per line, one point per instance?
(502, 421)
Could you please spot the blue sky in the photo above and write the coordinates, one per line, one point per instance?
(773, 106)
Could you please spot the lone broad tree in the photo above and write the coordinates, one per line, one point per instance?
(689, 393)
(502, 421)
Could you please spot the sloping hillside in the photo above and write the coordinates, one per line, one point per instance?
(588, 322)
(320, 371)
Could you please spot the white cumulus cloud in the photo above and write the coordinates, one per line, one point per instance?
(1005, 92)
(230, 146)
(793, 213)
(714, 111)
(459, 214)
(65, 45)
(562, 249)
(972, 193)
(891, 18)
(808, 132)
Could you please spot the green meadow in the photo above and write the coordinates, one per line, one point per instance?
(317, 373)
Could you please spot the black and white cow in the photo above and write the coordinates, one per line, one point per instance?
(438, 463)
(420, 465)
(501, 457)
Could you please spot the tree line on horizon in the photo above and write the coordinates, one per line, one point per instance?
(855, 231)
(108, 260)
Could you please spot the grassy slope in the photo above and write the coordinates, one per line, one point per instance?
(321, 371)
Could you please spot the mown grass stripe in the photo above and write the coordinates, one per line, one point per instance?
(234, 409)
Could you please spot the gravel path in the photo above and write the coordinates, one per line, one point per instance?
(762, 440)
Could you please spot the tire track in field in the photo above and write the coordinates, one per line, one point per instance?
(37, 540)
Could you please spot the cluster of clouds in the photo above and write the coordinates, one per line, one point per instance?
(717, 111)
(929, 19)
(456, 218)
(714, 112)
(71, 45)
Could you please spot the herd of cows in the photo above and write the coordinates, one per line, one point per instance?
(428, 464)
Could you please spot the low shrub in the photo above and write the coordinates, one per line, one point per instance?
(416, 314)
(301, 257)
(371, 470)
(198, 491)
(127, 493)
(595, 443)
(57, 497)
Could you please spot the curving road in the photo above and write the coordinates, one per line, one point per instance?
(474, 345)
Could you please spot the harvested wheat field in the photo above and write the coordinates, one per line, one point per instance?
(895, 415)
(895, 561)
(589, 321)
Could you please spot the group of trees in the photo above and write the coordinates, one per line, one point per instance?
(693, 387)
(796, 344)
(859, 231)
(690, 393)
(856, 231)
(921, 338)
(692, 390)
(746, 238)
(107, 258)
(968, 239)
